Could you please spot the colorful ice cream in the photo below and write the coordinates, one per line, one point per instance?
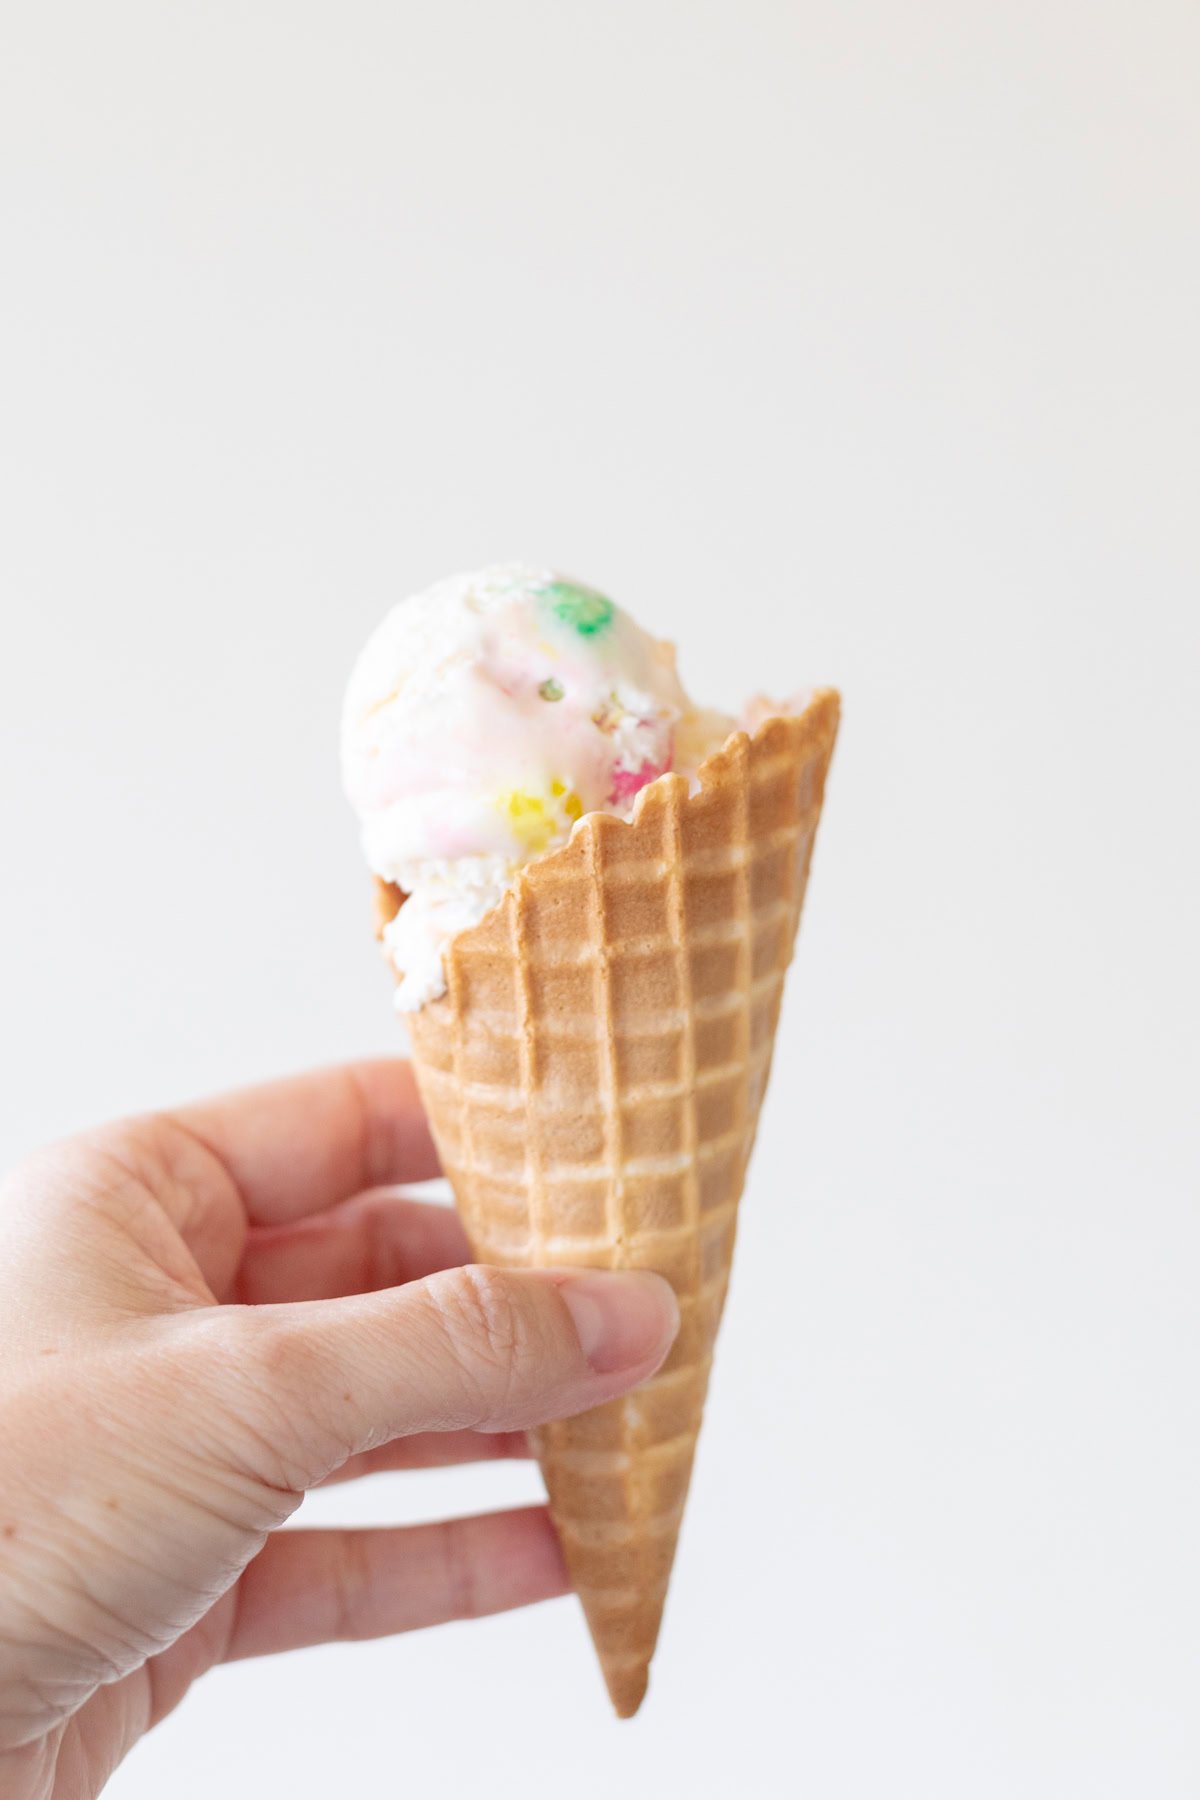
(483, 718)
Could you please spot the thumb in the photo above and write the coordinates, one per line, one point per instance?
(480, 1348)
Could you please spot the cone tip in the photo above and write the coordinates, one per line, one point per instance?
(627, 1687)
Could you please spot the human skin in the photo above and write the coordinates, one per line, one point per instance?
(209, 1312)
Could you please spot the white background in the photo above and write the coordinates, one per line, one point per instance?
(844, 342)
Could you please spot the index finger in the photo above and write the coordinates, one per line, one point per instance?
(301, 1145)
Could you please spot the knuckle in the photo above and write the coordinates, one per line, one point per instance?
(488, 1333)
(265, 1383)
(478, 1305)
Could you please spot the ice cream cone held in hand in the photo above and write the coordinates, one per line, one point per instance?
(588, 890)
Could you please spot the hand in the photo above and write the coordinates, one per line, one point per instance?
(179, 1362)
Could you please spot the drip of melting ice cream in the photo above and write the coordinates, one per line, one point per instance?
(483, 718)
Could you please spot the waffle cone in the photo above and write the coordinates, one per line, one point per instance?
(593, 1077)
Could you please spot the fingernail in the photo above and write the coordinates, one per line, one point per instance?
(623, 1319)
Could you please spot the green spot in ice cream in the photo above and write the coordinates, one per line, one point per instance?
(551, 689)
(586, 611)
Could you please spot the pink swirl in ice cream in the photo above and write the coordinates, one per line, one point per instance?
(483, 718)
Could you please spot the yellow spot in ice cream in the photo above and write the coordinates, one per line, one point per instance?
(572, 805)
(532, 824)
(535, 820)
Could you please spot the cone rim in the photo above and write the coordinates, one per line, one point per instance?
(819, 717)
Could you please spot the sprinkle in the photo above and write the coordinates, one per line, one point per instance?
(551, 689)
(535, 821)
(572, 805)
(628, 782)
(609, 713)
(586, 611)
(531, 824)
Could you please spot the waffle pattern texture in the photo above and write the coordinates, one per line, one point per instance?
(593, 1077)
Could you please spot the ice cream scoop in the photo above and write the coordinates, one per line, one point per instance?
(484, 717)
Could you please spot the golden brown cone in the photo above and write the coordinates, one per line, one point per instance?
(593, 1077)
